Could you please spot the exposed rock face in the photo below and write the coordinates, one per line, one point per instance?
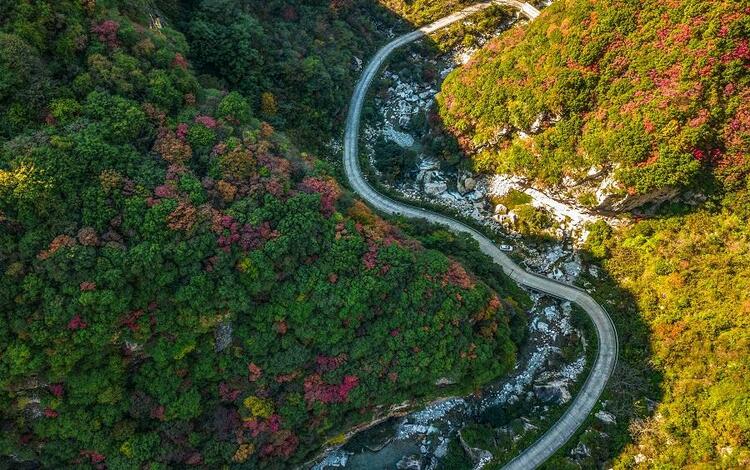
(444, 381)
(509, 220)
(628, 202)
(612, 197)
(465, 184)
(500, 209)
(432, 183)
(606, 417)
(480, 457)
(581, 451)
(436, 188)
(223, 336)
(554, 392)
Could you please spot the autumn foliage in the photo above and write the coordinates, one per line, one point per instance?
(181, 286)
(652, 92)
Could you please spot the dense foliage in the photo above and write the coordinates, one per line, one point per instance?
(655, 92)
(689, 278)
(290, 58)
(182, 287)
(297, 60)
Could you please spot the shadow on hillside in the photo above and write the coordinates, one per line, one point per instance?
(634, 388)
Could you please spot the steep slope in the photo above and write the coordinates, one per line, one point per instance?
(297, 60)
(624, 103)
(624, 100)
(689, 278)
(182, 286)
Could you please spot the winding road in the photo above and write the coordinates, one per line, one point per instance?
(606, 359)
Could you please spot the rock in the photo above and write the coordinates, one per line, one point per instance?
(470, 184)
(611, 196)
(540, 326)
(555, 393)
(132, 347)
(501, 209)
(572, 268)
(606, 417)
(223, 336)
(639, 458)
(726, 451)
(460, 187)
(537, 124)
(442, 448)
(510, 219)
(476, 195)
(402, 139)
(335, 459)
(594, 271)
(428, 164)
(436, 188)
(444, 381)
(410, 462)
(556, 273)
(581, 451)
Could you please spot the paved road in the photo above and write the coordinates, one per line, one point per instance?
(586, 399)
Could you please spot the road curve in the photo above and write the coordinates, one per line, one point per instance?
(606, 358)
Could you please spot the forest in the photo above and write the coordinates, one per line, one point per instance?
(183, 286)
(654, 92)
(187, 281)
(688, 276)
(658, 93)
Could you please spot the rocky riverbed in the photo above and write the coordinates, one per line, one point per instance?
(552, 360)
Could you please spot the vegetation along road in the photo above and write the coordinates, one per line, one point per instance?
(606, 358)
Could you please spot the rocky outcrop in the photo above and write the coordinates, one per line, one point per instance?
(500, 209)
(223, 336)
(605, 417)
(435, 188)
(410, 462)
(444, 382)
(555, 393)
(581, 451)
(432, 182)
(623, 203)
(478, 456)
(465, 184)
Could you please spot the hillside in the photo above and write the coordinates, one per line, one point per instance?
(621, 103)
(183, 286)
(688, 276)
(296, 60)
